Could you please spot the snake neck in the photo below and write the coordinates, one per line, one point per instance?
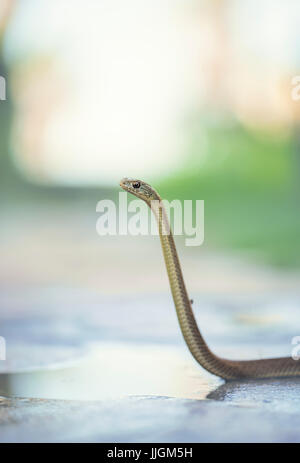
(185, 315)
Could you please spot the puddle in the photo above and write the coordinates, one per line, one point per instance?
(78, 346)
(120, 370)
(113, 371)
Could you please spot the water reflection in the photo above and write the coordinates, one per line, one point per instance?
(115, 370)
(112, 371)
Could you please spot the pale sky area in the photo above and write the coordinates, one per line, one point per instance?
(130, 74)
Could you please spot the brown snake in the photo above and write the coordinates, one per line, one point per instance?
(227, 369)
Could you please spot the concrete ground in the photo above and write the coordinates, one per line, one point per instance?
(94, 352)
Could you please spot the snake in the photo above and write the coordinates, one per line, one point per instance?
(227, 369)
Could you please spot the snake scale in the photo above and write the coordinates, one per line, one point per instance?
(224, 368)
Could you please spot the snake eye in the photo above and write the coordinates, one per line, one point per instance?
(136, 185)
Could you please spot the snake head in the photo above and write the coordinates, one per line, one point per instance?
(139, 189)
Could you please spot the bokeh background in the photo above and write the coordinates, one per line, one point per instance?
(194, 96)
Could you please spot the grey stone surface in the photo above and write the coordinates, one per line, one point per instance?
(144, 419)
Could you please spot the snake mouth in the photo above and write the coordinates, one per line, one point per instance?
(124, 183)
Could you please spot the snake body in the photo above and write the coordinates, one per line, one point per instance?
(224, 368)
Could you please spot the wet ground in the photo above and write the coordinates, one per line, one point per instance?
(119, 371)
(94, 352)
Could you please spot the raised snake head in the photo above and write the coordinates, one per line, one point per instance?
(139, 189)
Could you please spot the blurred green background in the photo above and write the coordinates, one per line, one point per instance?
(251, 195)
(238, 146)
